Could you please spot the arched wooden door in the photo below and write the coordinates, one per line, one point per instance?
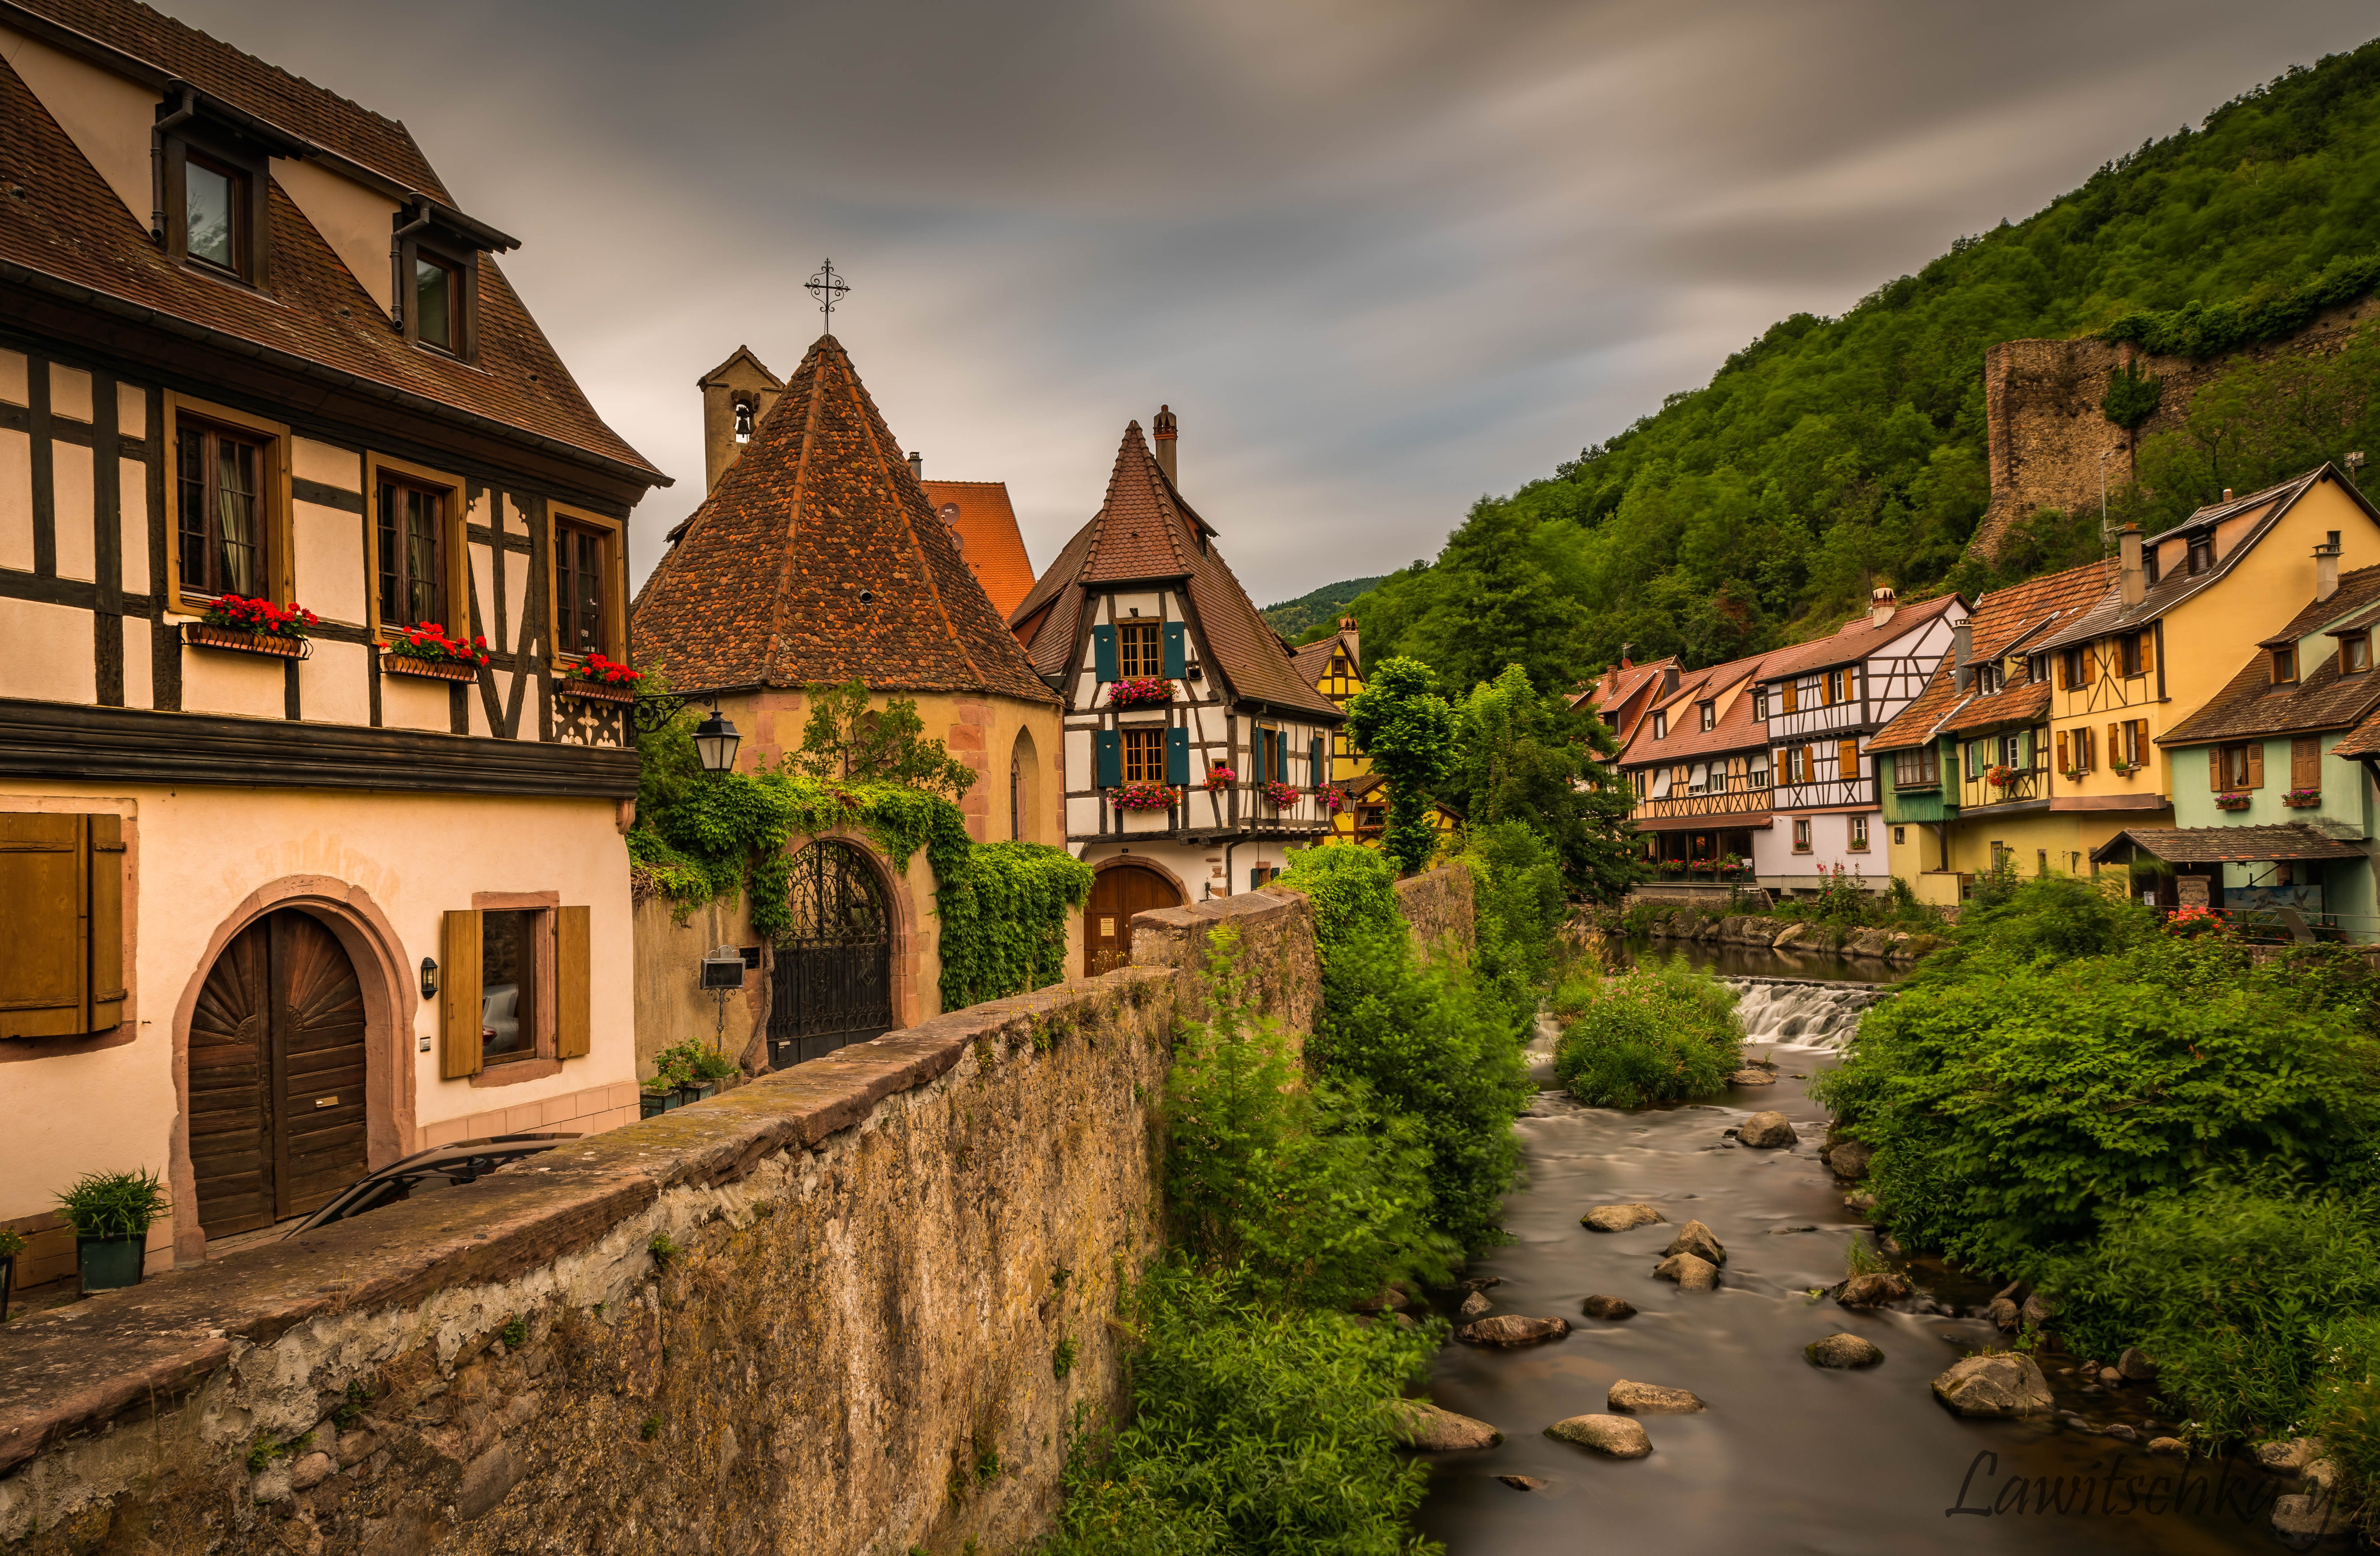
(276, 1076)
(833, 980)
(1121, 891)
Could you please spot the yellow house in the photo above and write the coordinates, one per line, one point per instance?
(1333, 666)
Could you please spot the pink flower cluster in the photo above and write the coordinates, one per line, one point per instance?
(1132, 691)
(1283, 795)
(1140, 795)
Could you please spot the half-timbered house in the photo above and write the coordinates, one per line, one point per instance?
(281, 909)
(1625, 693)
(1195, 752)
(1698, 772)
(1823, 702)
(1334, 666)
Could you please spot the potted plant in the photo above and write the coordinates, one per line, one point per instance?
(601, 679)
(707, 1068)
(253, 626)
(111, 1213)
(1282, 795)
(425, 649)
(1998, 777)
(2232, 800)
(1139, 691)
(1219, 778)
(657, 1096)
(12, 1243)
(2298, 798)
(1140, 795)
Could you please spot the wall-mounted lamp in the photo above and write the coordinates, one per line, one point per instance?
(429, 978)
(715, 741)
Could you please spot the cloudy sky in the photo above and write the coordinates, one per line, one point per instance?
(1381, 256)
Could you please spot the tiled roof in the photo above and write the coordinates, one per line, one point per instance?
(1854, 640)
(1144, 532)
(2363, 742)
(817, 558)
(2005, 622)
(1313, 659)
(70, 234)
(984, 527)
(2228, 845)
(1736, 728)
(2250, 705)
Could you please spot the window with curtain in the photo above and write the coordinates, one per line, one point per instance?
(412, 551)
(580, 566)
(222, 522)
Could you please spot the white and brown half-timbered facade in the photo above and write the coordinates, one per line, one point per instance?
(1197, 758)
(282, 909)
(1822, 702)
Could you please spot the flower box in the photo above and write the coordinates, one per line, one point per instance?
(1219, 778)
(1139, 692)
(2300, 799)
(1142, 795)
(594, 690)
(1998, 777)
(436, 669)
(1283, 795)
(2234, 801)
(240, 641)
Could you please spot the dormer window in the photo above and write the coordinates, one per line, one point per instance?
(1708, 713)
(1760, 703)
(211, 214)
(2285, 666)
(2201, 554)
(2355, 653)
(437, 283)
(212, 217)
(436, 297)
(2149, 565)
(1661, 725)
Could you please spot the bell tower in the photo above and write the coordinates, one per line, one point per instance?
(736, 396)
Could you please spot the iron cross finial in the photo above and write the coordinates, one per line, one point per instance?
(828, 289)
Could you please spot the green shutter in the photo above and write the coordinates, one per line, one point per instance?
(1314, 755)
(1110, 748)
(1177, 655)
(1177, 753)
(1103, 653)
(1280, 756)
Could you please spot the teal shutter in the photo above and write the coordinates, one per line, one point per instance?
(1314, 755)
(1109, 745)
(1280, 756)
(1177, 653)
(1177, 754)
(1103, 653)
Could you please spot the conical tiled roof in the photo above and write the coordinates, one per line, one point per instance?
(819, 559)
(1145, 533)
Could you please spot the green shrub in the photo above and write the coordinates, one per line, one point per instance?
(1659, 1033)
(1519, 898)
(2345, 1410)
(1256, 1430)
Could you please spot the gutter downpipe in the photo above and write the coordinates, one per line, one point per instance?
(188, 109)
(396, 265)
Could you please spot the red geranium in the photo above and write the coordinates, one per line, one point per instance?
(238, 613)
(429, 641)
(595, 667)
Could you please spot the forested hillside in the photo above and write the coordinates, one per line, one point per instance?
(1310, 615)
(1832, 454)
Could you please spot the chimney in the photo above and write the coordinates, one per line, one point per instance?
(1962, 647)
(1670, 680)
(916, 465)
(1880, 606)
(2226, 494)
(1166, 438)
(1354, 636)
(2326, 567)
(2135, 579)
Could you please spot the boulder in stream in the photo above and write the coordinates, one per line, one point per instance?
(1416, 1423)
(1620, 1218)
(1608, 1308)
(1751, 1075)
(1475, 1304)
(1873, 1291)
(1614, 1437)
(1696, 1239)
(1848, 1157)
(2136, 1366)
(1995, 1387)
(1795, 934)
(2038, 1310)
(1842, 1350)
(2168, 1447)
(2004, 1314)
(1652, 1399)
(1767, 1130)
(1522, 1482)
(1690, 1272)
(1512, 1329)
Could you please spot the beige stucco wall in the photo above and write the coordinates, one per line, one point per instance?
(107, 117)
(202, 863)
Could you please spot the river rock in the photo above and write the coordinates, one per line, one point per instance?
(1652, 1399)
(1389, 1296)
(1788, 1231)
(2168, 1447)
(1795, 935)
(1620, 1218)
(2005, 1315)
(2122, 1432)
(1842, 1350)
(2302, 1519)
(1872, 944)
(2110, 1379)
(1511, 1329)
(1873, 1291)
(1690, 1272)
(1995, 1387)
(2136, 1366)
(1849, 1159)
(1614, 1437)
(1767, 1132)
(1608, 1308)
(1475, 1304)
(1862, 1201)
(1752, 1076)
(1522, 1482)
(2288, 1458)
(1416, 1423)
(1696, 1239)
(2038, 1309)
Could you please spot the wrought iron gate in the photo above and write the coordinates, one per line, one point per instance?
(833, 981)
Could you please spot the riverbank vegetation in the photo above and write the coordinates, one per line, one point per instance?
(2176, 1140)
(1659, 1033)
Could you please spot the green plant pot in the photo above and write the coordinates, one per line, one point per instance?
(652, 1105)
(696, 1093)
(109, 1263)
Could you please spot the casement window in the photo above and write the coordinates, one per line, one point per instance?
(1698, 781)
(1338, 662)
(2010, 752)
(2285, 666)
(1637, 780)
(214, 215)
(1760, 703)
(583, 570)
(2305, 763)
(2076, 667)
(1138, 650)
(437, 275)
(62, 958)
(1802, 835)
(2149, 565)
(214, 199)
(515, 986)
(2137, 651)
(1988, 679)
(2354, 653)
(1838, 686)
(1917, 768)
(1144, 755)
(437, 302)
(1859, 834)
(1661, 725)
(1806, 767)
(2201, 554)
(1709, 714)
(2128, 743)
(1847, 761)
(2237, 766)
(412, 555)
(224, 520)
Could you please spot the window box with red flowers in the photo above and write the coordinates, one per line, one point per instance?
(1139, 691)
(253, 626)
(1998, 777)
(600, 679)
(2300, 799)
(1219, 778)
(1283, 795)
(2232, 800)
(425, 650)
(1140, 795)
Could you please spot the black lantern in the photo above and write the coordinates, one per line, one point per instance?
(429, 978)
(715, 741)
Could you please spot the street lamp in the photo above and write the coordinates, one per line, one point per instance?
(714, 741)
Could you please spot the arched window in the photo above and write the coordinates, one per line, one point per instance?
(1015, 797)
(1024, 784)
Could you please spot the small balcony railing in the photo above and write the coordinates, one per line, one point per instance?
(2001, 785)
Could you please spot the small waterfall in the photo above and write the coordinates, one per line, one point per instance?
(1802, 1013)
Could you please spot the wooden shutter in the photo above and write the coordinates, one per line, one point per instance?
(1177, 754)
(1103, 653)
(1107, 747)
(1792, 695)
(2215, 768)
(2148, 651)
(2305, 763)
(104, 835)
(1847, 761)
(458, 997)
(2255, 764)
(2063, 761)
(2115, 743)
(574, 1011)
(1177, 650)
(44, 956)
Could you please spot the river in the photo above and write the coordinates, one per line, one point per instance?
(1788, 1457)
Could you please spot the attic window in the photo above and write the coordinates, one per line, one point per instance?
(1709, 713)
(2354, 653)
(436, 297)
(1661, 725)
(438, 305)
(2285, 666)
(211, 215)
(2201, 554)
(211, 211)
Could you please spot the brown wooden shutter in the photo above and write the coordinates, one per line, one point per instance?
(573, 1024)
(2063, 763)
(2115, 743)
(459, 1012)
(2148, 652)
(2255, 764)
(2215, 768)
(2091, 666)
(44, 957)
(1792, 695)
(2305, 763)
(105, 988)
(1847, 761)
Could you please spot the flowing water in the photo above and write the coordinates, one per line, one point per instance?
(1787, 1457)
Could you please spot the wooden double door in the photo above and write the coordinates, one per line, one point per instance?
(1121, 891)
(276, 1076)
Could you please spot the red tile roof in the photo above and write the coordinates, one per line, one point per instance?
(1855, 639)
(818, 559)
(1736, 728)
(984, 527)
(70, 236)
(2004, 622)
(1145, 533)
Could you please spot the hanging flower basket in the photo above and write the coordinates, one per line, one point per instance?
(1139, 691)
(1998, 777)
(2234, 800)
(1282, 795)
(253, 626)
(2298, 798)
(427, 650)
(600, 679)
(1333, 801)
(1142, 795)
(1219, 778)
